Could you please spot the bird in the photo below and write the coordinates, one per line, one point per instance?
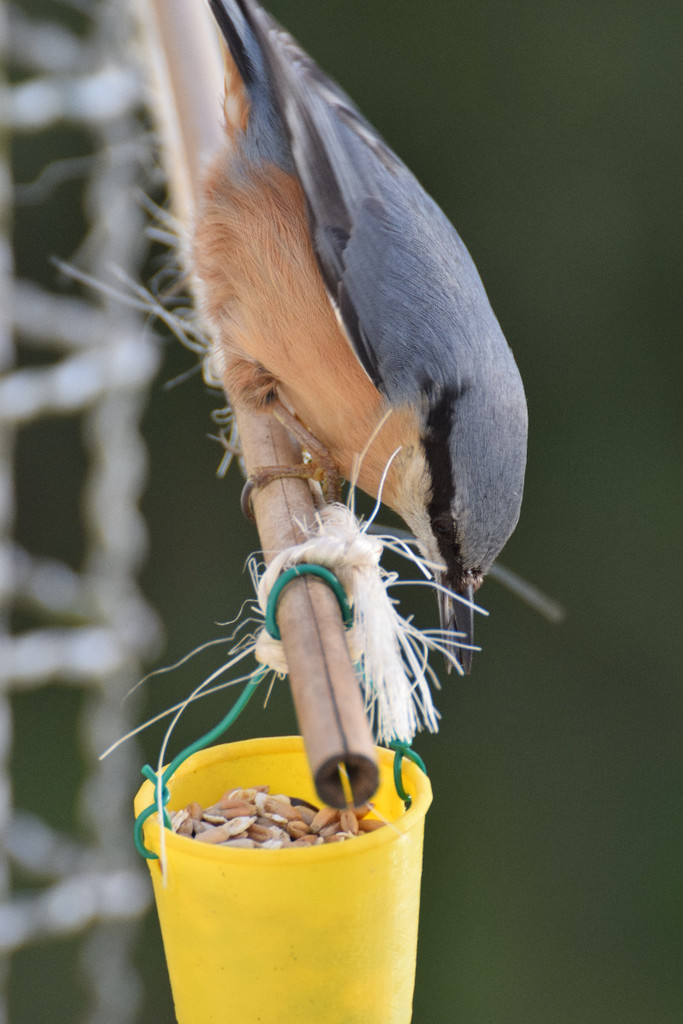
(340, 297)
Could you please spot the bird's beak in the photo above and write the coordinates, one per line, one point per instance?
(457, 617)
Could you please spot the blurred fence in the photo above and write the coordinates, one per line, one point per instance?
(79, 354)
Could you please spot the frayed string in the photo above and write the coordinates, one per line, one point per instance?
(390, 652)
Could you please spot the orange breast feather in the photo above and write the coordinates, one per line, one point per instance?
(274, 326)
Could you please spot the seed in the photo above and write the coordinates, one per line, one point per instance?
(277, 809)
(309, 840)
(324, 817)
(246, 818)
(330, 830)
(306, 813)
(348, 822)
(237, 825)
(260, 833)
(182, 823)
(236, 796)
(179, 819)
(238, 809)
(369, 825)
(260, 802)
(214, 819)
(296, 829)
(213, 835)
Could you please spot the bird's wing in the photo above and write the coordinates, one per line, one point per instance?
(393, 265)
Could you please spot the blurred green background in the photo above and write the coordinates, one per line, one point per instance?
(551, 135)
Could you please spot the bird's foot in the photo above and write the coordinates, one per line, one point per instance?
(320, 456)
(322, 467)
(263, 475)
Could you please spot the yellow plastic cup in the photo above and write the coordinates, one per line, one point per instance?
(325, 934)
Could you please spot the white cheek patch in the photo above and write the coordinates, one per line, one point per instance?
(412, 500)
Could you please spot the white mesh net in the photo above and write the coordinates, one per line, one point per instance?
(89, 360)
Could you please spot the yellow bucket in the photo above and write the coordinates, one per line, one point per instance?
(325, 934)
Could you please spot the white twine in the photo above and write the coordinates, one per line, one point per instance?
(390, 652)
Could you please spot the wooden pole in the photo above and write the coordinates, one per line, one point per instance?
(325, 690)
(187, 73)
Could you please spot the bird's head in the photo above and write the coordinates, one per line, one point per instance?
(463, 488)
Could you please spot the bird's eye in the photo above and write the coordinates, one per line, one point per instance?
(443, 527)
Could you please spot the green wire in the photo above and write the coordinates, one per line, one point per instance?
(203, 741)
(305, 569)
(402, 750)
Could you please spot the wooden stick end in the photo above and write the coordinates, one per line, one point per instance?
(362, 774)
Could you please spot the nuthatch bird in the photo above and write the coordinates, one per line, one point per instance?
(337, 289)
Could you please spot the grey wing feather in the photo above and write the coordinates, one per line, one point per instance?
(406, 289)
